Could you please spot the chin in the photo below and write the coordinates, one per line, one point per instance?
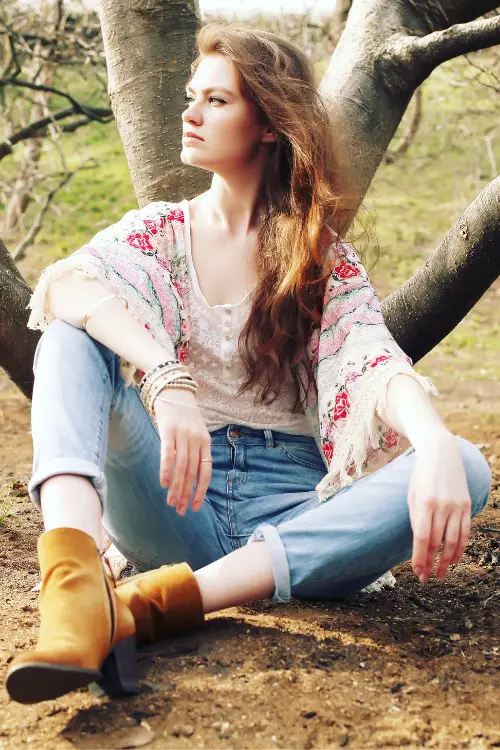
(189, 158)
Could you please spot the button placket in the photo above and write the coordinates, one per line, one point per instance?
(227, 324)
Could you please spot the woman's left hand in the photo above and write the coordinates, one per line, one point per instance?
(440, 506)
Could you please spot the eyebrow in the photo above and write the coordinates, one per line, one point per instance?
(210, 89)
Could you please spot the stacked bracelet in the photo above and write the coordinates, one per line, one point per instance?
(167, 374)
(162, 366)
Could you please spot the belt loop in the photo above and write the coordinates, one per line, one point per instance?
(269, 437)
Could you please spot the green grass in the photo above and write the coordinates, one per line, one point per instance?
(412, 203)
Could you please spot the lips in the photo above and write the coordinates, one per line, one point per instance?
(192, 135)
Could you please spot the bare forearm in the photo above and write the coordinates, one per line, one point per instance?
(111, 324)
(410, 412)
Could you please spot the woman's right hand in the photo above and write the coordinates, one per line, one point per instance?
(185, 440)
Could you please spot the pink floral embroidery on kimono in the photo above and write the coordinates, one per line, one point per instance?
(352, 353)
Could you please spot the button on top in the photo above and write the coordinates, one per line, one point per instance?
(228, 338)
(234, 434)
(228, 310)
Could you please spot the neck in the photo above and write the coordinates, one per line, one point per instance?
(232, 202)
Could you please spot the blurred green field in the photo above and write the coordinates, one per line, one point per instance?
(410, 206)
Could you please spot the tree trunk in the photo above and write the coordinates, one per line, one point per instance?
(17, 342)
(149, 46)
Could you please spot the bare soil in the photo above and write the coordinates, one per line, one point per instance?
(415, 666)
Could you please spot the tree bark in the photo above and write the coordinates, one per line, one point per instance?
(435, 299)
(149, 46)
(17, 342)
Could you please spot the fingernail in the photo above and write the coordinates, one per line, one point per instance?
(171, 501)
(422, 577)
(417, 570)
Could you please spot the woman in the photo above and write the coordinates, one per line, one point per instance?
(231, 349)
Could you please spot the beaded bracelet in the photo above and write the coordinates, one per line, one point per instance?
(163, 367)
(165, 378)
(166, 374)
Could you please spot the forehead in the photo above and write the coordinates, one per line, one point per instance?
(215, 70)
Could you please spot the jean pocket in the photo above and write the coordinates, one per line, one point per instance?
(303, 455)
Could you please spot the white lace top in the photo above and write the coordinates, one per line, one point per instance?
(216, 365)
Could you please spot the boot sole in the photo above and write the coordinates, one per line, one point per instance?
(33, 682)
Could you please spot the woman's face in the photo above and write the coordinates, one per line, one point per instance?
(222, 117)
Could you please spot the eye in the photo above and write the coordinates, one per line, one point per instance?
(188, 99)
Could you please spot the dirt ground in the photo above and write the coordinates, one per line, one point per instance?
(415, 666)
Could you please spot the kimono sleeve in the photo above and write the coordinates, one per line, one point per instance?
(357, 357)
(132, 259)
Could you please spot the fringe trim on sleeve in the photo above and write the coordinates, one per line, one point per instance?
(88, 265)
(360, 429)
(41, 315)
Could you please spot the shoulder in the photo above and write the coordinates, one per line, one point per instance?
(162, 212)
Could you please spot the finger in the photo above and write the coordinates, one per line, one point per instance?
(181, 460)
(451, 538)
(465, 526)
(421, 536)
(204, 478)
(190, 477)
(439, 520)
(167, 457)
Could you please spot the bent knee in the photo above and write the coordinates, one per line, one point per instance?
(478, 474)
(62, 338)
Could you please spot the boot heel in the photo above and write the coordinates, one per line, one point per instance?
(119, 670)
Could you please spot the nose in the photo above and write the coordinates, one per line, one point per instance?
(191, 114)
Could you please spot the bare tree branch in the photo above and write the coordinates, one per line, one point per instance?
(20, 252)
(38, 129)
(91, 112)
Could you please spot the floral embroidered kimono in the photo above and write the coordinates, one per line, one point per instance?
(353, 355)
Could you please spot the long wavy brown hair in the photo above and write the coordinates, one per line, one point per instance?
(297, 198)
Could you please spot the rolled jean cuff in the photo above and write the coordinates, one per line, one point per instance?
(68, 466)
(279, 561)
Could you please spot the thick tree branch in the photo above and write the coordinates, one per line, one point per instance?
(426, 53)
(438, 296)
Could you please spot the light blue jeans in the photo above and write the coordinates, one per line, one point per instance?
(86, 421)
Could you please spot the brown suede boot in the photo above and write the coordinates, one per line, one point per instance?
(164, 601)
(87, 634)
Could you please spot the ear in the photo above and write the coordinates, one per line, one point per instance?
(269, 135)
